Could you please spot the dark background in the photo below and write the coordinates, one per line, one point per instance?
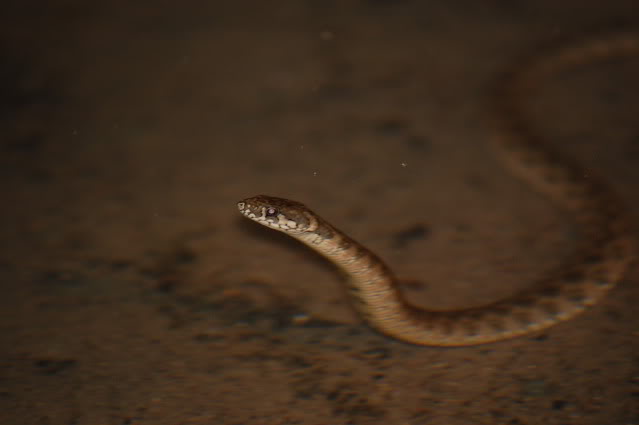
(134, 293)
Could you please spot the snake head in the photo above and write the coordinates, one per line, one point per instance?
(279, 214)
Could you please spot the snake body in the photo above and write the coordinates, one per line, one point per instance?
(608, 249)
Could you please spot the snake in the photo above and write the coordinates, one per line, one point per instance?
(604, 253)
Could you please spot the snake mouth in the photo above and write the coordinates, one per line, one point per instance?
(254, 212)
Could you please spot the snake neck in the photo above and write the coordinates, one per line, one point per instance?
(368, 278)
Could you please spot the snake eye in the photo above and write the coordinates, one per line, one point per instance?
(271, 212)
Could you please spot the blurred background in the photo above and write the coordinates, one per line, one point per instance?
(134, 293)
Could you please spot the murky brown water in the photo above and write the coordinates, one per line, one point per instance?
(134, 293)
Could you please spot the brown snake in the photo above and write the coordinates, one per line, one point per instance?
(608, 249)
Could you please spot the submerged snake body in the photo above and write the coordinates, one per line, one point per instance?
(608, 249)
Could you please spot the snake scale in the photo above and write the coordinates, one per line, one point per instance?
(607, 250)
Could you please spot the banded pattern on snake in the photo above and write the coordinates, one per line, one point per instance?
(606, 254)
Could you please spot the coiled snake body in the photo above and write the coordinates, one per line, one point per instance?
(607, 252)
